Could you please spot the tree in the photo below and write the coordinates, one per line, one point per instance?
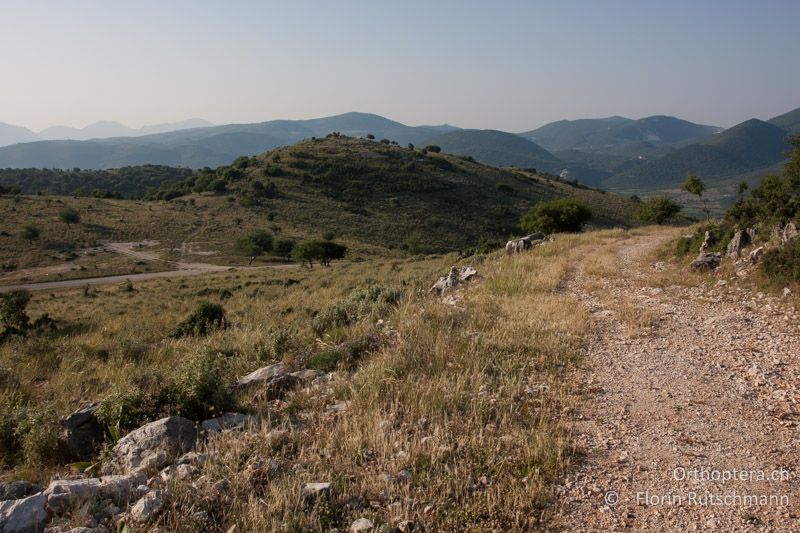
(283, 248)
(69, 215)
(12, 311)
(563, 214)
(307, 251)
(254, 244)
(694, 185)
(30, 233)
(318, 250)
(370, 136)
(657, 210)
(433, 148)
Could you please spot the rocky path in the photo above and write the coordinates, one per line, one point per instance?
(690, 424)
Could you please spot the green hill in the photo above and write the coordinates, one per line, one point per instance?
(609, 134)
(497, 148)
(725, 157)
(386, 195)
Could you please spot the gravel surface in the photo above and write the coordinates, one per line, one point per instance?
(680, 421)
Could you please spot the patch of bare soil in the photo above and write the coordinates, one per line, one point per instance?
(692, 423)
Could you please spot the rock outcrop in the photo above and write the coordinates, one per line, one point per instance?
(25, 515)
(82, 435)
(516, 246)
(152, 446)
(455, 277)
(706, 261)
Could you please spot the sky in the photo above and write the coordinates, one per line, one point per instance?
(501, 64)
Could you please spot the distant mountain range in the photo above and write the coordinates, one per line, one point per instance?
(99, 130)
(651, 153)
(609, 134)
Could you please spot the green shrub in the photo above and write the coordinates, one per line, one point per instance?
(206, 318)
(373, 302)
(658, 210)
(201, 387)
(782, 264)
(13, 317)
(345, 354)
(721, 235)
(563, 214)
(69, 215)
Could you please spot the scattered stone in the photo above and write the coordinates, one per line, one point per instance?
(406, 526)
(147, 507)
(453, 278)
(339, 407)
(305, 375)
(152, 446)
(16, 490)
(191, 458)
(362, 524)
(228, 421)
(23, 515)
(316, 490)
(177, 472)
(790, 232)
(756, 255)
(787, 292)
(262, 375)
(82, 435)
(706, 261)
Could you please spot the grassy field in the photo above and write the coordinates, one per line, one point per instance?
(455, 416)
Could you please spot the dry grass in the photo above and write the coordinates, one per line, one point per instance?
(458, 421)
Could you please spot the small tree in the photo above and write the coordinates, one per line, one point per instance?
(433, 148)
(657, 210)
(307, 251)
(30, 233)
(331, 250)
(283, 248)
(254, 244)
(694, 185)
(12, 311)
(563, 214)
(69, 215)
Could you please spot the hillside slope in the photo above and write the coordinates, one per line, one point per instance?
(497, 148)
(789, 121)
(390, 196)
(747, 147)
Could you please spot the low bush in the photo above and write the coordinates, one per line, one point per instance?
(373, 301)
(345, 354)
(782, 265)
(563, 214)
(203, 320)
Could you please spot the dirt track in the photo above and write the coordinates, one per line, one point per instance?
(710, 389)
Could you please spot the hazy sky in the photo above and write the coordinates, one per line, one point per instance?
(511, 65)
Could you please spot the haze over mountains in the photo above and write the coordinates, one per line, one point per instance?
(651, 153)
(10, 134)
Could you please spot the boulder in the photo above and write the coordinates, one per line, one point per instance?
(706, 261)
(24, 515)
(63, 495)
(82, 435)
(446, 282)
(152, 446)
(228, 421)
(790, 232)
(16, 490)
(147, 507)
(527, 242)
(453, 278)
(739, 240)
(262, 375)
